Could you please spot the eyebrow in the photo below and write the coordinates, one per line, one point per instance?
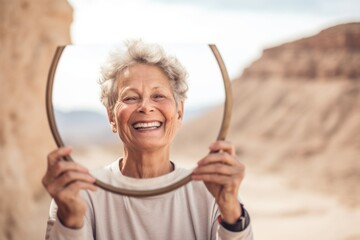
(136, 90)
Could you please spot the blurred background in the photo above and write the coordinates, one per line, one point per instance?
(295, 67)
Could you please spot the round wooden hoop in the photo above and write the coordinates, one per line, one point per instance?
(138, 193)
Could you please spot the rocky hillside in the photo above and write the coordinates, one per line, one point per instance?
(29, 34)
(331, 54)
(297, 112)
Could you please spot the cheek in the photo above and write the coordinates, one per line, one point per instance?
(169, 111)
(172, 128)
(172, 118)
(123, 114)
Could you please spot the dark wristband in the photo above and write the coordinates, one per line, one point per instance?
(240, 225)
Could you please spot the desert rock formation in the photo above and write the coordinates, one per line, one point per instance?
(297, 112)
(331, 54)
(29, 34)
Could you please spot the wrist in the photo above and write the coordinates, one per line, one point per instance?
(231, 214)
(240, 224)
(72, 222)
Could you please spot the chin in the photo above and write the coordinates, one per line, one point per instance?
(150, 146)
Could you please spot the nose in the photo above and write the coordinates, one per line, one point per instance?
(146, 105)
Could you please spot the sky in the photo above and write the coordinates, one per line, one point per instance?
(79, 67)
(240, 29)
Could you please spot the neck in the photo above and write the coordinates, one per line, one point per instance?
(138, 164)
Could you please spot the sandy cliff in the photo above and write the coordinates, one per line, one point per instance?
(297, 112)
(331, 54)
(29, 33)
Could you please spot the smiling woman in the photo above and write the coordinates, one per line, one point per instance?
(81, 121)
(143, 91)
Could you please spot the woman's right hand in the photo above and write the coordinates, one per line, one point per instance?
(63, 180)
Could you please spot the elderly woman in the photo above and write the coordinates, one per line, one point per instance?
(143, 91)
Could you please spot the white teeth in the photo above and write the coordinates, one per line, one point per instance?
(147, 125)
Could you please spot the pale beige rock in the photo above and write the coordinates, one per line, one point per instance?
(29, 34)
(297, 112)
(331, 54)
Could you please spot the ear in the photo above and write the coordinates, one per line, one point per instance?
(112, 120)
(180, 110)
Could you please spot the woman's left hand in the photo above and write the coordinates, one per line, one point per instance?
(222, 174)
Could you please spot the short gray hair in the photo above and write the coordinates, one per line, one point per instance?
(136, 52)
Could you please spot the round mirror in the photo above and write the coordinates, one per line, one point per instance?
(77, 117)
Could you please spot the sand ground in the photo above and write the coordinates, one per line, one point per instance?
(281, 212)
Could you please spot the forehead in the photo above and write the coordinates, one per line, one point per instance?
(144, 73)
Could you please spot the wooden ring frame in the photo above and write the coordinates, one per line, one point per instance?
(128, 192)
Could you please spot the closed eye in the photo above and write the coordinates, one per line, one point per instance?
(157, 97)
(130, 99)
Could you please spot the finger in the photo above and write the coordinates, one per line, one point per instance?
(57, 154)
(225, 146)
(216, 168)
(67, 178)
(75, 187)
(73, 190)
(212, 178)
(222, 180)
(219, 157)
(59, 168)
(63, 166)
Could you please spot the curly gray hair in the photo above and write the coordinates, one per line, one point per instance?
(139, 52)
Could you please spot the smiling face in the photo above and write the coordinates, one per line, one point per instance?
(145, 116)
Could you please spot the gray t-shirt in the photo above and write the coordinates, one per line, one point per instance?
(189, 212)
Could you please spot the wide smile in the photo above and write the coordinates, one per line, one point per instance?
(145, 126)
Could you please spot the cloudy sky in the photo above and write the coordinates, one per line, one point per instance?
(241, 29)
